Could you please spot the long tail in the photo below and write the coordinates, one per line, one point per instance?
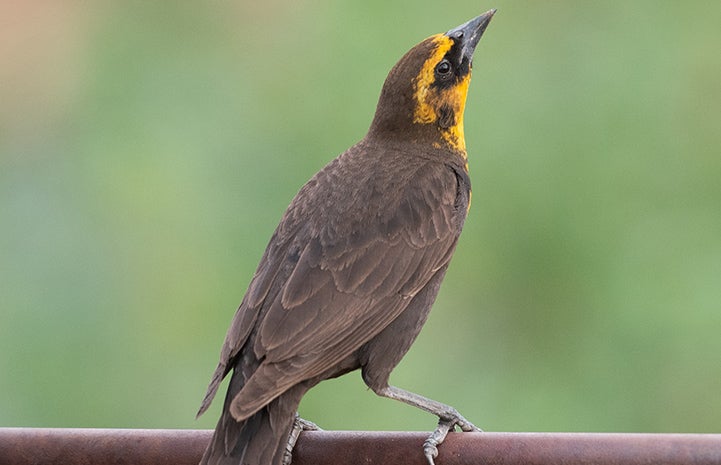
(260, 439)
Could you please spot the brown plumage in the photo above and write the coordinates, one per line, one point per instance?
(351, 272)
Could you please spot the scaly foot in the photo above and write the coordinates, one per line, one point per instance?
(446, 424)
(299, 425)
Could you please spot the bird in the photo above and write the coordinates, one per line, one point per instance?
(350, 274)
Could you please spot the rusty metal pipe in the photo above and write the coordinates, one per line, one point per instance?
(25, 446)
(49, 446)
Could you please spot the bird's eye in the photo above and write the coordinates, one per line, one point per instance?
(443, 69)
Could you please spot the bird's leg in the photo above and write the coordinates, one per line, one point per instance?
(299, 425)
(448, 417)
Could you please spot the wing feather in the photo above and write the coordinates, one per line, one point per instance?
(321, 293)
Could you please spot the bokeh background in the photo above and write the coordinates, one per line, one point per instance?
(148, 149)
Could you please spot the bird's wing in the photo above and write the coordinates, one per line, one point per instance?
(345, 288)
(318, 295)
(266, 282)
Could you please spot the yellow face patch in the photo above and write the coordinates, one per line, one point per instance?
(434, 103)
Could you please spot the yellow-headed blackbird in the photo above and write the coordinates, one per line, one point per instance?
(351, 272)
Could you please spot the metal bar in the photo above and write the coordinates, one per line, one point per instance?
(25, 446)
(48, 446)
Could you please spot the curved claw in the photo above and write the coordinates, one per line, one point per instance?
(306, 425)
(448, 417)
(452, 415)
(446, 424)
(430, 445)
(466, 426)
(299, 425)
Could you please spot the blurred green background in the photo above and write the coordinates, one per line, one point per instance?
(148, 149)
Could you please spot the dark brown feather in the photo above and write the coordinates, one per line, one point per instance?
(348, 277)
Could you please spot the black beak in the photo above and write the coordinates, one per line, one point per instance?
(470, 33)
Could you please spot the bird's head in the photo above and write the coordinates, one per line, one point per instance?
(424, 95)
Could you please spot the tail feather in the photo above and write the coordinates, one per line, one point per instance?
(218, 376)
(249, 442)
(260, 439)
